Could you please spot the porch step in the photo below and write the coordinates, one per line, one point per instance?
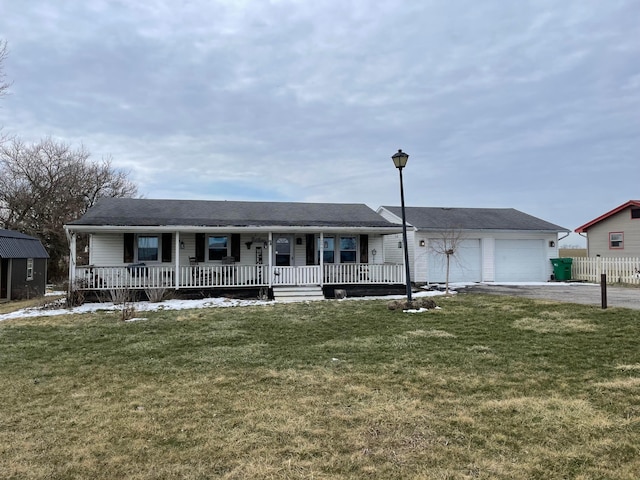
(298, 294)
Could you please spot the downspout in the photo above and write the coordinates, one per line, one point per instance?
(587, 239)
(176, 274)
(270, 260)
(321, 259)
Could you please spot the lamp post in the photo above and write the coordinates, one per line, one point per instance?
(400, 161)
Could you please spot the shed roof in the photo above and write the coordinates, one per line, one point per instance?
(155, 212)
(442, 218)
(586, 226)
(18, 245)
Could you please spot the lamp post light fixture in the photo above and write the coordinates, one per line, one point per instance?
(400, 161)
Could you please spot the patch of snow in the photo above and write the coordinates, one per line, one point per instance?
(221, 302)
(54, 293)
(139, 307)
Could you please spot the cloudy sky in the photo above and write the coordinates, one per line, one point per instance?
(533, 105)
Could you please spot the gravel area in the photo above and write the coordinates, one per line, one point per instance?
(588, 294)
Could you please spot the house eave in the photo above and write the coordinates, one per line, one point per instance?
(584, 228)
(492, 230)
(230, 229)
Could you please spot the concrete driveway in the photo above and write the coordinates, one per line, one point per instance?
(588, 294)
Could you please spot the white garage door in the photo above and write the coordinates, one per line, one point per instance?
(465, 265)
(520, 261)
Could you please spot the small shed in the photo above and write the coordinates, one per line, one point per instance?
(23, 266)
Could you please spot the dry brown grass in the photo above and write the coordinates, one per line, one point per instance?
(337, 390)
(554, 322)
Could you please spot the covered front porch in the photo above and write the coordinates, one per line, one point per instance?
(214, 259)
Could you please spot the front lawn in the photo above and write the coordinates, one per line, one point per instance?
(488, 387)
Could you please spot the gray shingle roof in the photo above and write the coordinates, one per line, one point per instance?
(151, 212)
(439, 218)
(18, 245)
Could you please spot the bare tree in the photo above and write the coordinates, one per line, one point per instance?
(47, 184)
(4, 85)
(447, 245)
(4, 52)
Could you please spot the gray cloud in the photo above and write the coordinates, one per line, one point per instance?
(531, 105)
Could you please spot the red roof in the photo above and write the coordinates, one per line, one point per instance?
(586, 226)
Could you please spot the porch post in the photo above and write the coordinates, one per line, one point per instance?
(270, 260)
(176, 274)
(72, 262)
(321, 259)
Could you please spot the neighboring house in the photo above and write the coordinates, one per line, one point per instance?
(615, 233)
(494, 244)
(23, 266)
(197, 245)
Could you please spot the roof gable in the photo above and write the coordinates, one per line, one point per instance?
(154, 212)
(610, 213)
(18, 245)
(442, 218)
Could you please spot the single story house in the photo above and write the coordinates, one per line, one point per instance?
(191, 245)
(23, 266)
(492, 244)
(615, 233)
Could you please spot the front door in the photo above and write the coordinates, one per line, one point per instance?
(283, 252)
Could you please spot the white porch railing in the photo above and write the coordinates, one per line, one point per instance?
(307, 275)
(617, 269)
(356, 273)
(152, 276)
(213, 276)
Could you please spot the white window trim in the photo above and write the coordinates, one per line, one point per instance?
(611, 240)
(29, 268)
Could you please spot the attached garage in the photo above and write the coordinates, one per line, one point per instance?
(498, 244)
(520, 261)
(464, 266)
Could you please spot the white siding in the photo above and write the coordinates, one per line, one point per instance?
(376, 243)
(395, 255)
(300, 251)
(388, 216)
(189, 249)
(107, 249)
(420, 274)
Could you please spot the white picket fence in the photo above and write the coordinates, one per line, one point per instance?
(617, 269)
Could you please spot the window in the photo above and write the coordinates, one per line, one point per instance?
(147, 248)
(348, 250)
(616, 240)
(29, 268)
(329, 250)
(635, 213)
(218, 247)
